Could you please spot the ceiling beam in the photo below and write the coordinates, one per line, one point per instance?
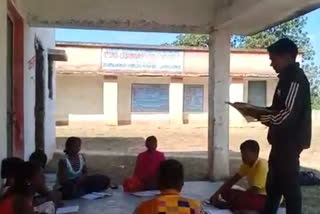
(192, 16)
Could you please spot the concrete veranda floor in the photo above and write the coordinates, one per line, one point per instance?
(123, 203)
(112, 151)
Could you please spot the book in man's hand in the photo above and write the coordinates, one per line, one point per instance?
(250, 112)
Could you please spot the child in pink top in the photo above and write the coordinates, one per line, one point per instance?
(146, 170)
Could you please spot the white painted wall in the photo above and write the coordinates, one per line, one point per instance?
(176, 102)
(110, 101)
(47, 38)
(236, 95)
(76, 103)
(79, 95)
(3, 80)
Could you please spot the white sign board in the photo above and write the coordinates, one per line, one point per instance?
(115, 59)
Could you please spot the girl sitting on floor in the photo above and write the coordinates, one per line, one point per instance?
(146, 170)
(18, 199)
(42, 195)
(73, 176)
(9, 168)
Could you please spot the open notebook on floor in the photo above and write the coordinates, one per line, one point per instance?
(96, 195)
(213, 210)
(68, 210)
(150, 193)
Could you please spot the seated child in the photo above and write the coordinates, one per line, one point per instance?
(146, 169)
(171, 180)
(9, 168)
(255, 169)
(19, 197)
(73, 176)
(43, 194)
(39, 157)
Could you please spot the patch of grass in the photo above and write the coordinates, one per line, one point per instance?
(311, 200)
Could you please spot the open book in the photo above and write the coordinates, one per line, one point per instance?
(68, 210)
(96, 195)
(150, 193)
(250, 112)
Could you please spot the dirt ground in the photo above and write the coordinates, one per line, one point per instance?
(186, 140)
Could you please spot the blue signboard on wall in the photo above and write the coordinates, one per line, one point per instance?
(150, 98)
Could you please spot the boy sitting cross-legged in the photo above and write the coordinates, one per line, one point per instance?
(255, 170)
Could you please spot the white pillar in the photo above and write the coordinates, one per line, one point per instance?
(218, 127)
(3, 80)
(110, 100)
(176, 101)
(124, 101)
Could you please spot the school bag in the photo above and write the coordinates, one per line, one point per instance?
(308, 179)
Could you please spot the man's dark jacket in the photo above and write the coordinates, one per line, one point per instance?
(291, 121)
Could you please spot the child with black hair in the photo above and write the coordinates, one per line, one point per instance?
(146, 169)
(255, 169)
(39, 157)
(9, 168)
(19, 197)
(171, 181)
(42, 194)
(73, 176)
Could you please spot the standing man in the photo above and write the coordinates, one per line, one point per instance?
(289, 128)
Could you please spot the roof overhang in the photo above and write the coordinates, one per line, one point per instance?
(182, 16)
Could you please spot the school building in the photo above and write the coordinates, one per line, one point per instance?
(129, 84)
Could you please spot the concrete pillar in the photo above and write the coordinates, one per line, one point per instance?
(124, 101)
(218, 127)
(3, 80)
(176, 101)
(110, 100)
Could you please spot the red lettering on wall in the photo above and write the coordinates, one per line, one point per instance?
(32, 63)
